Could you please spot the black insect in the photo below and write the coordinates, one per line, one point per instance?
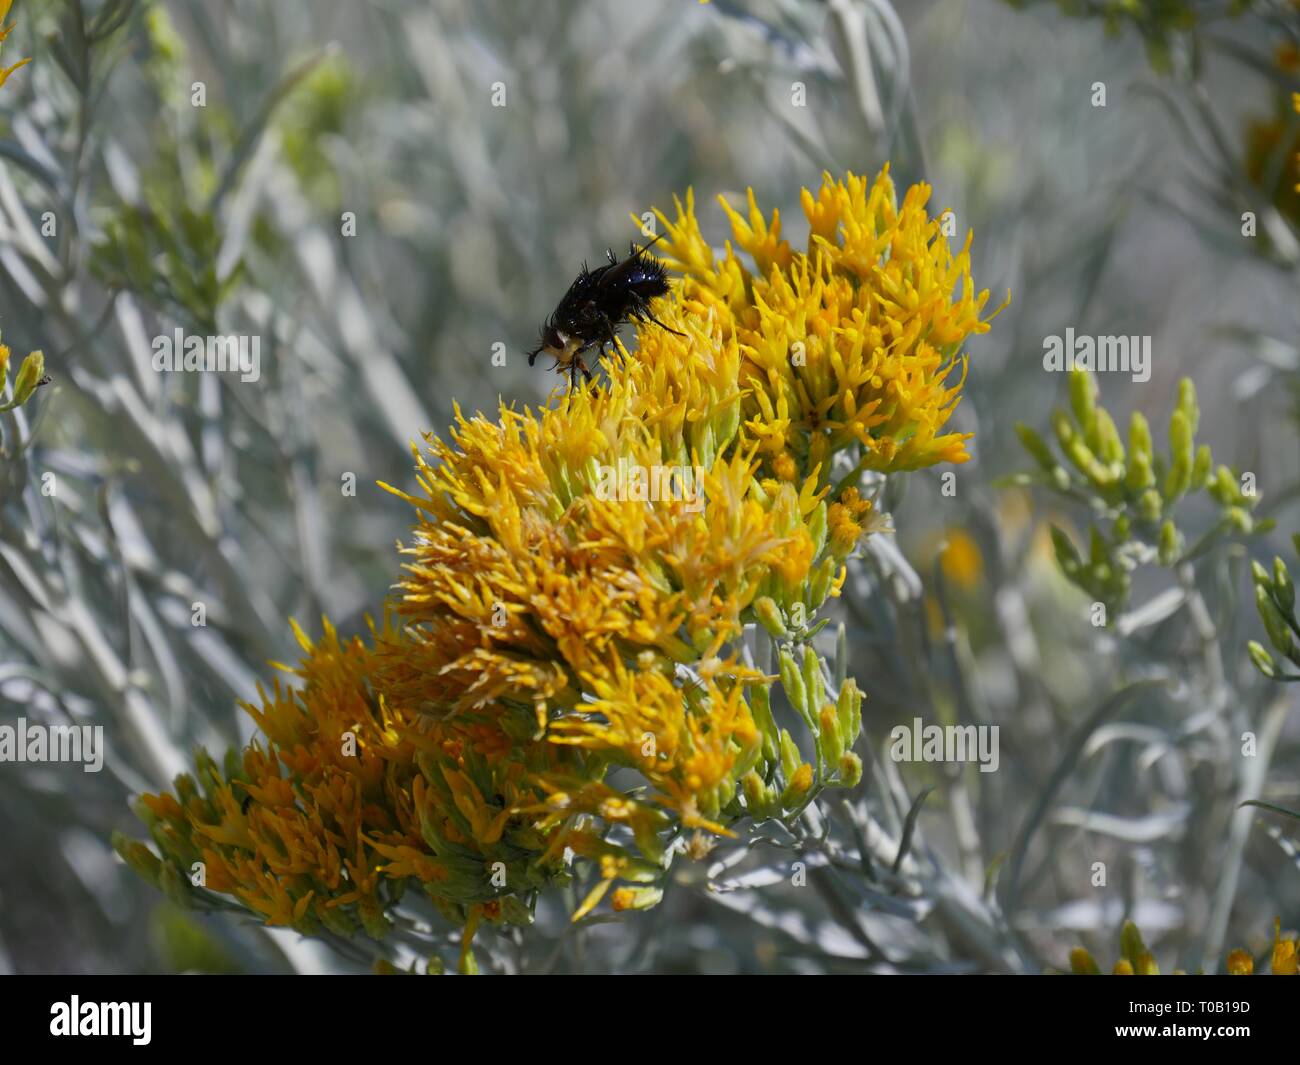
(597, 303)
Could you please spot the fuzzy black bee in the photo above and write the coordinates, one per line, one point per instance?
(597, 303)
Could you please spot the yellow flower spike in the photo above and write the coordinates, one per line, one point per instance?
(1285, 961)
(1240, 963)
(578, 577)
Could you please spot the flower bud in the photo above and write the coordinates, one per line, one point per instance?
(1240, 963)
(1262, 659)
(30, 375)
(801, 783)
(1179, 476)
(1279, 634)
(1083, 399)
(1168, 548)
(138, 857)
(829, 734)
(790, 756)
(1283, 589)
(1037, 447)
(792, 682)
(769, 616)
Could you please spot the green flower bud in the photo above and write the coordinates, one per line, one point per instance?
(814, 684)
(760, 708)
(1279, 634)
(1150, 505)
(850, 770)
(174, 885)
(791, 759)
(848, 711)
(1067, 557)
(759, 799)
(1187, 403)
(1130, 944)
(1082, 963)
(1037, 448)
(1259, 574)
(30, 375)
(1240, 520)
(1139, 438)
(1169, 547)
(142, 861)
(817, 528)
(1108, 442)
(1088, 464)
(819, 583)
(1179, 476)
(1223, 488)
(1262, 659)
(1203, 467)
(1083, 399)
(1283, 589)
(829, 734)
(769, 616)
(792, 682)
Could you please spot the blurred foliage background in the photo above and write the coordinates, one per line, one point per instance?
(1120, 744)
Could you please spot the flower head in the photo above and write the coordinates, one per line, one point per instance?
(576, 587)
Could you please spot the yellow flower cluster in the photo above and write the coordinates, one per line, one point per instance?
(1136, 960)
(855, 343)
(1267, 137)
(562, 674)
(5, 5)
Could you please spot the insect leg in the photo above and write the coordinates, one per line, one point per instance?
(660, 324)
(613, 339)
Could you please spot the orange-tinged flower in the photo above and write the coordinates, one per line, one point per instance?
(577, 585)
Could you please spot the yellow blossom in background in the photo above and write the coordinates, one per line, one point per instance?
(1284, 960)
(5, 5)
(553, 622)
(960, 559)
(1137, 960)
(1295, 106)
(1279, 178)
